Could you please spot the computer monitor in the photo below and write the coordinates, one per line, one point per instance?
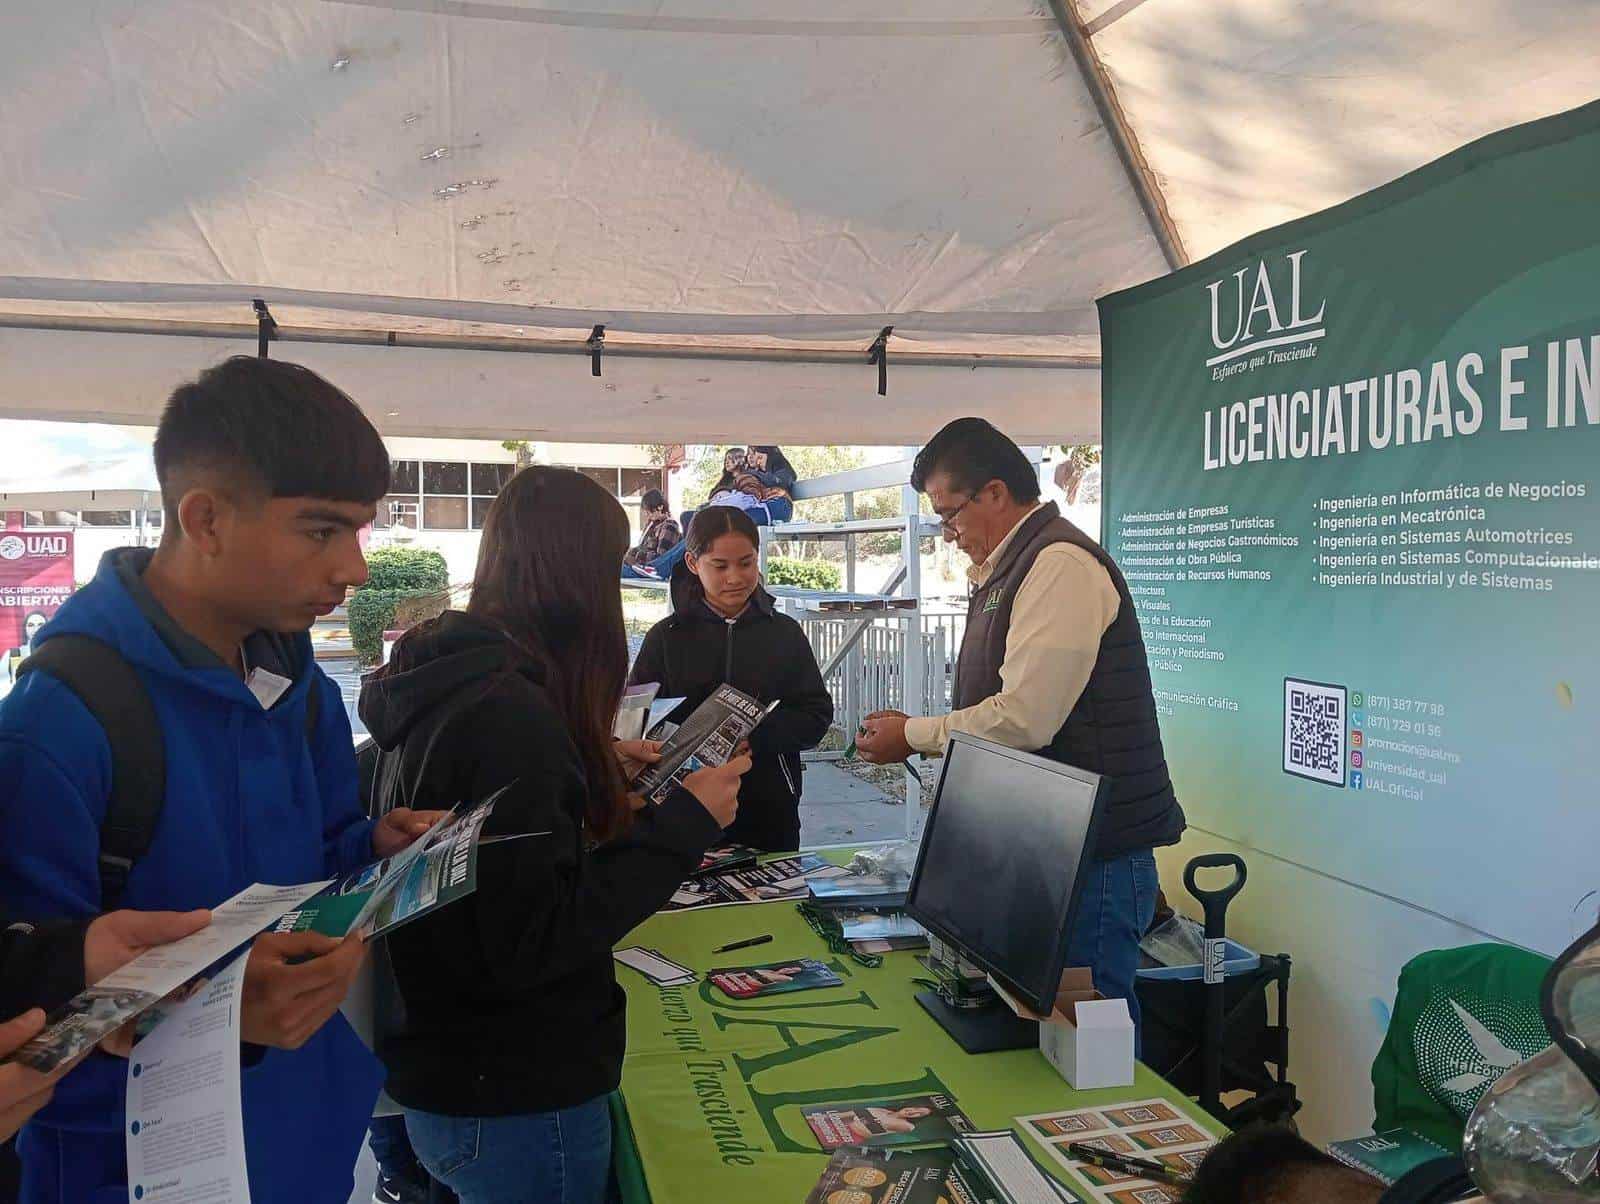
(1001, 867)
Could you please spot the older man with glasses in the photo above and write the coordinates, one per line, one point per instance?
(1053, 662)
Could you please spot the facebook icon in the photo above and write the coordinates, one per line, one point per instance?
(1355, 779)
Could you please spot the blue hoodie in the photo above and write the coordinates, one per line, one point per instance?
(250, 798)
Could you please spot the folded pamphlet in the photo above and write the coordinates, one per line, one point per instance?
(914, 1120)
(437, 868)
(882, 890)
(707, 738)
(774, 978)
(728, 858)
(93, 1015)
(656, 966)
(784, 879)
(633, 713)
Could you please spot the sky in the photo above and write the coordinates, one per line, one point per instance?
(32, 450)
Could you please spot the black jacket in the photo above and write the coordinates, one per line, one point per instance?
(507, 1000)
(766, 655)
(40, 966)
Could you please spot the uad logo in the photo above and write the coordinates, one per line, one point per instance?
(15, 547)
(1239, 327)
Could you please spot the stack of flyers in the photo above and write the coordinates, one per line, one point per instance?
(855, 1175)
(894, 930)
(774, 978)
(1153, 1129)
(915, 1120)
(1001, 1163)
(660, 969)
(775, 881)
(726, 858)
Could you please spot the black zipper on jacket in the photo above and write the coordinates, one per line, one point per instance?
(727, 660)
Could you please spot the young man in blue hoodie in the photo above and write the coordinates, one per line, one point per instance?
(268, 473)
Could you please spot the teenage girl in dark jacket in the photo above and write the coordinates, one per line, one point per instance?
(725, 629)
(509, 1029)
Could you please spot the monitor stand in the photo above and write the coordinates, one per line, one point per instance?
(988, 1029)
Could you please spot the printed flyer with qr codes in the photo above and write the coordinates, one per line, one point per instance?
(1153, 1129)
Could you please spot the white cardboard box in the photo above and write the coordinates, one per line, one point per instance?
(1087, 1037)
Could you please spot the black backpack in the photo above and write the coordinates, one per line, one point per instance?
(111, 690)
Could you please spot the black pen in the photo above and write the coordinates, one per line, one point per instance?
(1156, 1172)
(755, 940)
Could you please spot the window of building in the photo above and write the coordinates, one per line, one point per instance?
(106, 518)
(635, 481)
(441, 495)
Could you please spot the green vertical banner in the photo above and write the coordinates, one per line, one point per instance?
(1352, 474)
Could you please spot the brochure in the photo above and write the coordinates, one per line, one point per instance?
(916, 1120)
(1001, 1163)
(633, 713)
(862, 890)
(185, 1136)
(855, 1175)
(93, 1015)
(1153, 1129)
(786, 878)
(437, 868)
(874, 926)
(730, 857)
(708, 737)
(774, 978)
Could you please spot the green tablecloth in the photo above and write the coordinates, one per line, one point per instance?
(712, 1088)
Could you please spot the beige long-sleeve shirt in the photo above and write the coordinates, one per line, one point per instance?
(1062, 609)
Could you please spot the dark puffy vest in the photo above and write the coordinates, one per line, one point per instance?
(1112, 729)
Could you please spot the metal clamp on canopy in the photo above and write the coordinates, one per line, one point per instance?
(597, 342)
(266, 326)
(879, 354)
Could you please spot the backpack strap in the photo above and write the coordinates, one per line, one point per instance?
(108, 686)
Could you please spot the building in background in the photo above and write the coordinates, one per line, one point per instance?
(440, 492)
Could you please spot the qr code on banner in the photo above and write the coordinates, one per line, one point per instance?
(1314, 730)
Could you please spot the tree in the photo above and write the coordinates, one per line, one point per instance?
(1078, 459)
(523, 449)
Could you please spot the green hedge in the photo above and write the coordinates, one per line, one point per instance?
(406, 568)
(372, 612)
(804, 574)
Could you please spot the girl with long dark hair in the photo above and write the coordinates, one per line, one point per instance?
(508, 1030)
(725, 629)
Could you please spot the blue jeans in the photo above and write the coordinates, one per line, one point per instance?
(1118, 903)
(559, 1157)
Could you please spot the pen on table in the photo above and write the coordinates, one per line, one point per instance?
(755, 940)
(1156, 1172)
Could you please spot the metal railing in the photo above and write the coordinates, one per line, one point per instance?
(872, 678)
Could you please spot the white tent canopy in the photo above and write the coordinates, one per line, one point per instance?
(125, 482)
(440, 200)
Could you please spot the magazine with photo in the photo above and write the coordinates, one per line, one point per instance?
(774, 978)
(706, 739)
(916, 1120)
(856, 1175)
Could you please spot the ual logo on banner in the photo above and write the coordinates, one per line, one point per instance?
(1264, 321)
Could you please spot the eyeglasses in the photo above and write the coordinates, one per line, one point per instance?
(947, 522)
